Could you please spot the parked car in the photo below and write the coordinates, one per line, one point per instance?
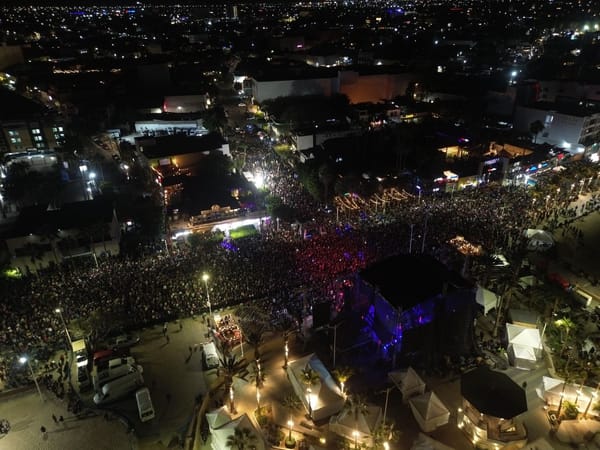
(123, 341)
(83, 378)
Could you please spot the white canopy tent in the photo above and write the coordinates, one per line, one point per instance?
(325, 397)
(408, 382)
(344, 424)
(429, 411)
(486, 298)
(554, 388)
(539, 239)
(528, 281)
(524, 346)
(223, 429)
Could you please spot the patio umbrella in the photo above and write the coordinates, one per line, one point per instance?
(493, 393)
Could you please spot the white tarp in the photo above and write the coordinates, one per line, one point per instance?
(408, 382)
(486, 298)
(429, 411)
(345, 423)
(325, 397)
(524, 345)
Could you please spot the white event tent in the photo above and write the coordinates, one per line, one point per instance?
(429, 411)
(486, 298)
(524, 346)
(325, 397)
(408, 382)
(345, 423)
(221, 427)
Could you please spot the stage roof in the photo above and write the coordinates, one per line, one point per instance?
(396, 279)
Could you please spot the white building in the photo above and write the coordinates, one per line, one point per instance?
(162, 127)
(574, 128)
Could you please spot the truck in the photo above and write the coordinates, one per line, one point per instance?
(119, 388)
(80, 352)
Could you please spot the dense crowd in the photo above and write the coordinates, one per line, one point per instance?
(278, 270)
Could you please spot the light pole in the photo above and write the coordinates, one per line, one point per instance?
(59, 312)
(23, 360)
(205, 278)
(424, 234)
(308, 396)
(355, 434)
(290, 425)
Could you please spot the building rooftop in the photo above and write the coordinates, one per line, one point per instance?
(178, 144)
(17, 107)
(34, 219)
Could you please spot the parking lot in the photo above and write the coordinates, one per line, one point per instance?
(174, 375)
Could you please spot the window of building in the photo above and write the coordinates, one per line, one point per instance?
(548, 120)
(38, 138)
(13, 133)
(36, 131)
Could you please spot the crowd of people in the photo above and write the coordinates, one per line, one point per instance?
(279, 269)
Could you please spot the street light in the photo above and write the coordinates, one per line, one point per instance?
(23, 360)
(355, 434)
(205, 279)
(290, 425)
(308, 396)
(59, 312)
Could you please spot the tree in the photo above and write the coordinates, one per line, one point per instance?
(536, 128)
(258, 375)
(291, 403)
(241, 439)
(385, 432)
(49, 233)
(326, 177)
(254, 335)
(343, 374)
(230, 367)
(357, 406)
(309, 378)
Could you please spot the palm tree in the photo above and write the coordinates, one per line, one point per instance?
(357, 406)
(258, 375)
(310, 378)
(342, 375)
(291, 403)
(326, 177)
(254, 335)
(286, 326)
(509, 282)
(230, 367)
(536, 128)
(241, 439)
(385, 432)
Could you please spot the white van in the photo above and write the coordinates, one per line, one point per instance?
(210, 355)
(100, 378)
(116, 389)
(80, 353)
(144, 404)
